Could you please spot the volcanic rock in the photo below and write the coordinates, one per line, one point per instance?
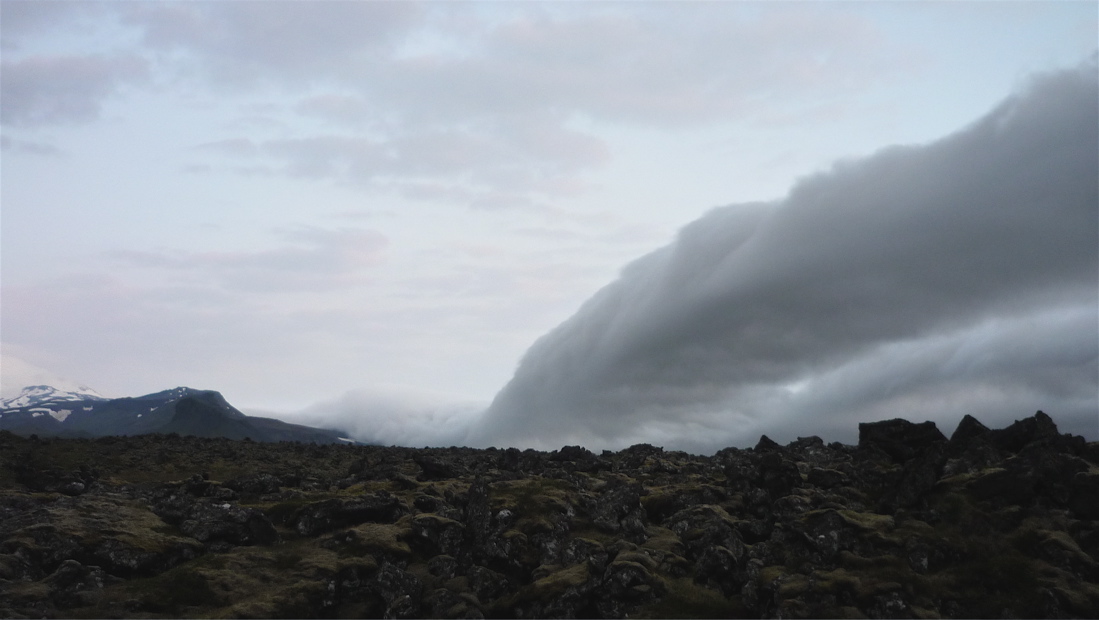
(990, 523)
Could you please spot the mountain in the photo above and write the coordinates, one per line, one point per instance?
(44, 410)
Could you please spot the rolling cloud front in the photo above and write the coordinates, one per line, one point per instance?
(924, 282)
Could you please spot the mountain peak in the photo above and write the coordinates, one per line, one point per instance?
(38, 394)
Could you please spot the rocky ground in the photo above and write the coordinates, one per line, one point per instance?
(990, 523)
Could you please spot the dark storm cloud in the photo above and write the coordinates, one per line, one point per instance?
(499, 158)
(923, 282)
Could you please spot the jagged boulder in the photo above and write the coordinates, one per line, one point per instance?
(486, 583)
(76, 585)
(436, 468)
(617, 509)
(211, 521)
(627, 582)
(577, 458)
(636, 455)
(918, 476)
(258, 484)
(711, 540)
(318, 517)
(123, 558)
(900, 439)
(778, 474)
(827, 478)
(401, 590)
(970, 448)
(1039, 427)
(562, 593)
(585, 551)
(224, 522)
(663, 502)
(437, 535)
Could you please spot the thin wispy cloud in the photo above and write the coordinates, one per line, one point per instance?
(314, 259)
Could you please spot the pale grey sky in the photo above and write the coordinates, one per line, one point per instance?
(377, 208)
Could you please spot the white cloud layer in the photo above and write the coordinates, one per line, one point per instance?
(16, 373)
(921, 282)
(395, 418)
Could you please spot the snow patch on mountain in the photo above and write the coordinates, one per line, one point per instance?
(33, 395)
(60, 414)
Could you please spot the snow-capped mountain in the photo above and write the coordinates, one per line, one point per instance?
(44, 410)
(33, 395)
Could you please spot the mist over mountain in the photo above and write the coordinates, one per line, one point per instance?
(925, 282)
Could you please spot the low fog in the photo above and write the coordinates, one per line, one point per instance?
(924, 282)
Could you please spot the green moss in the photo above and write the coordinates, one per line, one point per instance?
(549, 587)
(792, 586)
(870, 588)
(877, 563)
(866, 520)
(798, 562)
(954, 507)
(769, 574)
(1080, 598)
(662, 539)
(282, 512)
(174, 592)
(287, 559)
(993, 577)
(531, 496)
(846, 612)
(835, 581)
(378, 539)
(641, 559)
(684, 598)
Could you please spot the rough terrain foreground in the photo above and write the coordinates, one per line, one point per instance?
(990, 523)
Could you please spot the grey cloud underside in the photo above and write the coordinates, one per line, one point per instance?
(442, 102)
(922, 282)
(47, 90)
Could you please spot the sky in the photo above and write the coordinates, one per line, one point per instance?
(544, 223)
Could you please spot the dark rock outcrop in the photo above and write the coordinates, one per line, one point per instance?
(900, 439)
(379, 507)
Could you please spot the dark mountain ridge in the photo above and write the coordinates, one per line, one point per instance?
(182, 410)
(907, 523)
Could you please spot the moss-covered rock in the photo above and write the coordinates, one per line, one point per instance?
(989, 523)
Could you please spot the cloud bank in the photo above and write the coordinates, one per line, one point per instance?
(923, 282)
(394, 417)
